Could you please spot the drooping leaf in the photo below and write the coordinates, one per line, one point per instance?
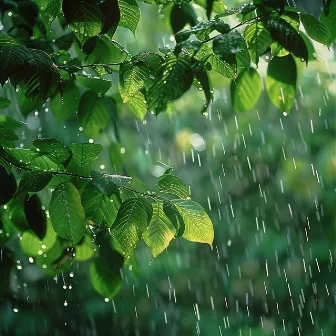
(34, 181)
(38, 77)
(85, 154)
(160, 231)
(258, 40)
(283, 32)
(177, 77)
(54, 148)
(109, 184)
(204, 80)
(93, 113)
(181, 15)
(12, 55)
(198, 225)
(7, 186)
(96, 84)
(281, 82)
(105, 271)
(35, 216)
(129, 14)
(66, 105)
(98, 207)
(174, 217)
(66, 212)
(111, 12)
(53, 10)
(132, 221)
(315, 29)
(329, 19)
(171, 184)
(4, 103)
(85, 19)
(246, 90)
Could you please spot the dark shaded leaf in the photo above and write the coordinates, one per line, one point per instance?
(282, 32)
(35, 216)
(7, 186)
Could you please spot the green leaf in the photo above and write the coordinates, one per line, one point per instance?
(129, 14)
(35, 216)
(98, 207)
(85, 154)
(96, 84)
(7, 186)
(54, 148)
(136, 103)
(283, 32)
(105, 274)
(34, 181)
(177, 77)
(203, 78)
(329, 21)
(159, 232)
(109, 184)
(85, 19)
(30, 159)
(246, 90)
(7, 134)
(171, 184)
(258, 40)
(111, 12)
(315, 29)
(53, 10)
(132, 221)
(4, 103)
(66, 105)
(281, 82)
(227, 46)
(12, 55)
(181, 15)
(106, 51)
(198, 225)
(39, 77)
(67, 213)
(93, 113)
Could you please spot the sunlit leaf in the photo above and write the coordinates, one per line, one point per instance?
(246, 90)
(160, 231)
(198, 225)
(129, 14)
(132, 221)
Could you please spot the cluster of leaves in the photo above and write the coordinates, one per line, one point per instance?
(86, 203)
(76, 72)
(152, 81)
